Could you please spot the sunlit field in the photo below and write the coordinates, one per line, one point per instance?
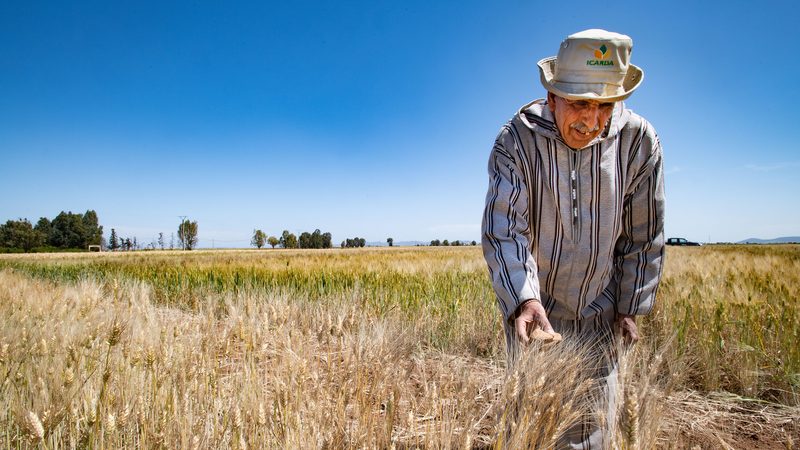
(377, 348)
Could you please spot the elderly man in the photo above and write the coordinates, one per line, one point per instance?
(573, 225)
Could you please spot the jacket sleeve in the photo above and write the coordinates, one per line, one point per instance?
(505, 230)
(640, 247)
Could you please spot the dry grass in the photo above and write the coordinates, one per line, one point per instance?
(723, 420)
(92, 354)
(103, 366)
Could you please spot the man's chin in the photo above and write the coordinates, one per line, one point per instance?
(578, 140)
(577, 145)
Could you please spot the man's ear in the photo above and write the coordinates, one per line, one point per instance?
(551, 102)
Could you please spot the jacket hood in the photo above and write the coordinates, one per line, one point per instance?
(537, 116)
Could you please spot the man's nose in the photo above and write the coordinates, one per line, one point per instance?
(591, 116)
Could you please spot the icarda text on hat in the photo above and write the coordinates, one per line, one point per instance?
(601, 54)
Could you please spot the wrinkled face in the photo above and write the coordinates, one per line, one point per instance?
(579, 121)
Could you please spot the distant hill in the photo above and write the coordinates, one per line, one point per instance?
(780, 240)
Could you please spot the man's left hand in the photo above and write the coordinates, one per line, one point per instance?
(627, 326)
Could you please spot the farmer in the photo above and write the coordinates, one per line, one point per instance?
(573, 225)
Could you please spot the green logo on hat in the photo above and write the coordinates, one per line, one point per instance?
(600, 54)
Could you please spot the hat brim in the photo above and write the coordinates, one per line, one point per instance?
(633, 78)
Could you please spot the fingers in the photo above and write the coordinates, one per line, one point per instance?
(630, 332)
(545, 323)
(534, 312)
(521, 328)
(533, 324)
(525, 335)
(526, 319)
(548, 333)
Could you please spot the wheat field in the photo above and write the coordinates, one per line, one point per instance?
(377, 348)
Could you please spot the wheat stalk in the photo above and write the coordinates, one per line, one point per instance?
(34, 426)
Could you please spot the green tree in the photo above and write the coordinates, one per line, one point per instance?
(445, 242)
(474, 243)
(43, 226)
(92, 230)
(288, 240)
(259, 239)
(390, 241)
(305, 240)
(68, 231)
(114, 241)
(316, 239)
(187, 234)
(20, 234)
(355, 242)
(161, 240)
(326, 240)
(273, 241)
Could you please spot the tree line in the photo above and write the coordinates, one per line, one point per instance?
(116, 242)
(78, 231)
(67, 230)
(354, 242)
(187, 238)
(436, 243)
(315, 239)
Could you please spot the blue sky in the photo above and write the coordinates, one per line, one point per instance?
(374, 118)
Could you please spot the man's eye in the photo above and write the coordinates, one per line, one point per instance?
(581, 104)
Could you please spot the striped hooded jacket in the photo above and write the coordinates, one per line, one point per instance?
(579, 230)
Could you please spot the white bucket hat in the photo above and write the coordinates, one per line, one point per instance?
(592, 65)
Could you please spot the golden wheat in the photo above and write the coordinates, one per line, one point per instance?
(374, 349)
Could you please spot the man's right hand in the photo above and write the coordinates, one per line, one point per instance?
(530, 315)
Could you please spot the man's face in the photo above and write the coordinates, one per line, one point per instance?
(579, 121)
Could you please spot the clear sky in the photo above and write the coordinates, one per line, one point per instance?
(372, 118)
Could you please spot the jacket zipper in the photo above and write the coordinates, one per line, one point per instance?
(573, 175)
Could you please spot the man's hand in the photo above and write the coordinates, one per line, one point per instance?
(627, 326)
(531, 314)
